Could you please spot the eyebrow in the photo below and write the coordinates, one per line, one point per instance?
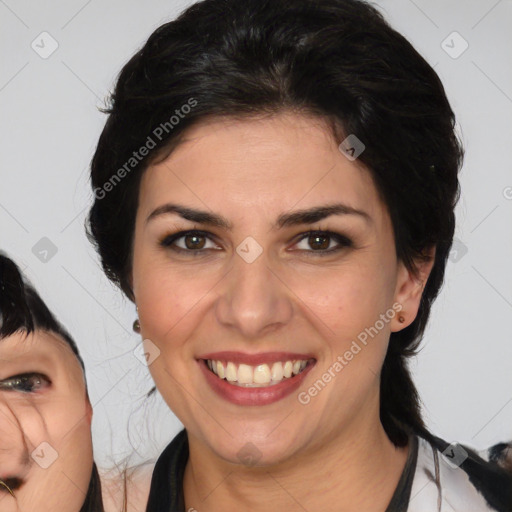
(308, 216)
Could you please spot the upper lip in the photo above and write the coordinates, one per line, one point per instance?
(255, 359)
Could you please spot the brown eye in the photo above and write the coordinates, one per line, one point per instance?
(320, 241)
(192, 242)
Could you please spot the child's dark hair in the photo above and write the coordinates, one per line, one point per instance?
(22, 309)
(337, 59)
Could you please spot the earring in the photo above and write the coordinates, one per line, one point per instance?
(136, 325)
(3, 484)
(401, 319)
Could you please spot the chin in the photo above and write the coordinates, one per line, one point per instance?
(253, 447)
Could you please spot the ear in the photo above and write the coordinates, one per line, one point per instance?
(409, 289)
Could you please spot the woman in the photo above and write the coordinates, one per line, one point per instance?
(46, 458)
(275, 190)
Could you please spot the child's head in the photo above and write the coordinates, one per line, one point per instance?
(46, 457)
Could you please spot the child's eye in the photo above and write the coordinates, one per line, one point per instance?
(25, 383)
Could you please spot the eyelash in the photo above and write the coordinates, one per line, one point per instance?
(18, 382)
(169, 240)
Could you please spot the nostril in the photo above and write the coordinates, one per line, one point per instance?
(10, 484)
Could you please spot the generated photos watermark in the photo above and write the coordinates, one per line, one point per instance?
(137, 156)
(304, 397)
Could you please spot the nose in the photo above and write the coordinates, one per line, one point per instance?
(253, 298)
(14, 449)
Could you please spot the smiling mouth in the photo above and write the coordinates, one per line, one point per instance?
(257, 376)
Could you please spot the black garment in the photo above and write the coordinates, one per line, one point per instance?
(438, 476)
(166, 493)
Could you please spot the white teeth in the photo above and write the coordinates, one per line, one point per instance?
(220, 370)
(257, 376)
(262, 374)
(244, 374)
(277, 371)
(231, 372)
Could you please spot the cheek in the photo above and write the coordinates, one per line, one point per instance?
(28, 423)
(169, 298)
(77, 446)
(70, 432)
(66, 414)
(347, 298)
(64, 484)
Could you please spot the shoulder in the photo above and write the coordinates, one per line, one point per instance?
(456, 477)
(126, 490)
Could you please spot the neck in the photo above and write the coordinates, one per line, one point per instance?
(333, 476)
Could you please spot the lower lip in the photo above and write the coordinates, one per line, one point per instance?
(253, 396)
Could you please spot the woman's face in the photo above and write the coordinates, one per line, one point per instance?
(45, 425)
(261, 297)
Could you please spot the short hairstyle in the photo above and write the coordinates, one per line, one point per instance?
(23, 310)
(336, 59)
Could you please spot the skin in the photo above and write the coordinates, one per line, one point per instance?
(319, 456)
(57, 412)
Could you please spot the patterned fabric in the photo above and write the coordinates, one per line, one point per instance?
(453, 477)
(437, 477)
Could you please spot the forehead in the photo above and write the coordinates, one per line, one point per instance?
(272, 164)
(38, 342)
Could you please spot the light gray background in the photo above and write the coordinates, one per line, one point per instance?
(50, 125)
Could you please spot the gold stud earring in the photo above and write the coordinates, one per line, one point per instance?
(136, 325)
(401, 319)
